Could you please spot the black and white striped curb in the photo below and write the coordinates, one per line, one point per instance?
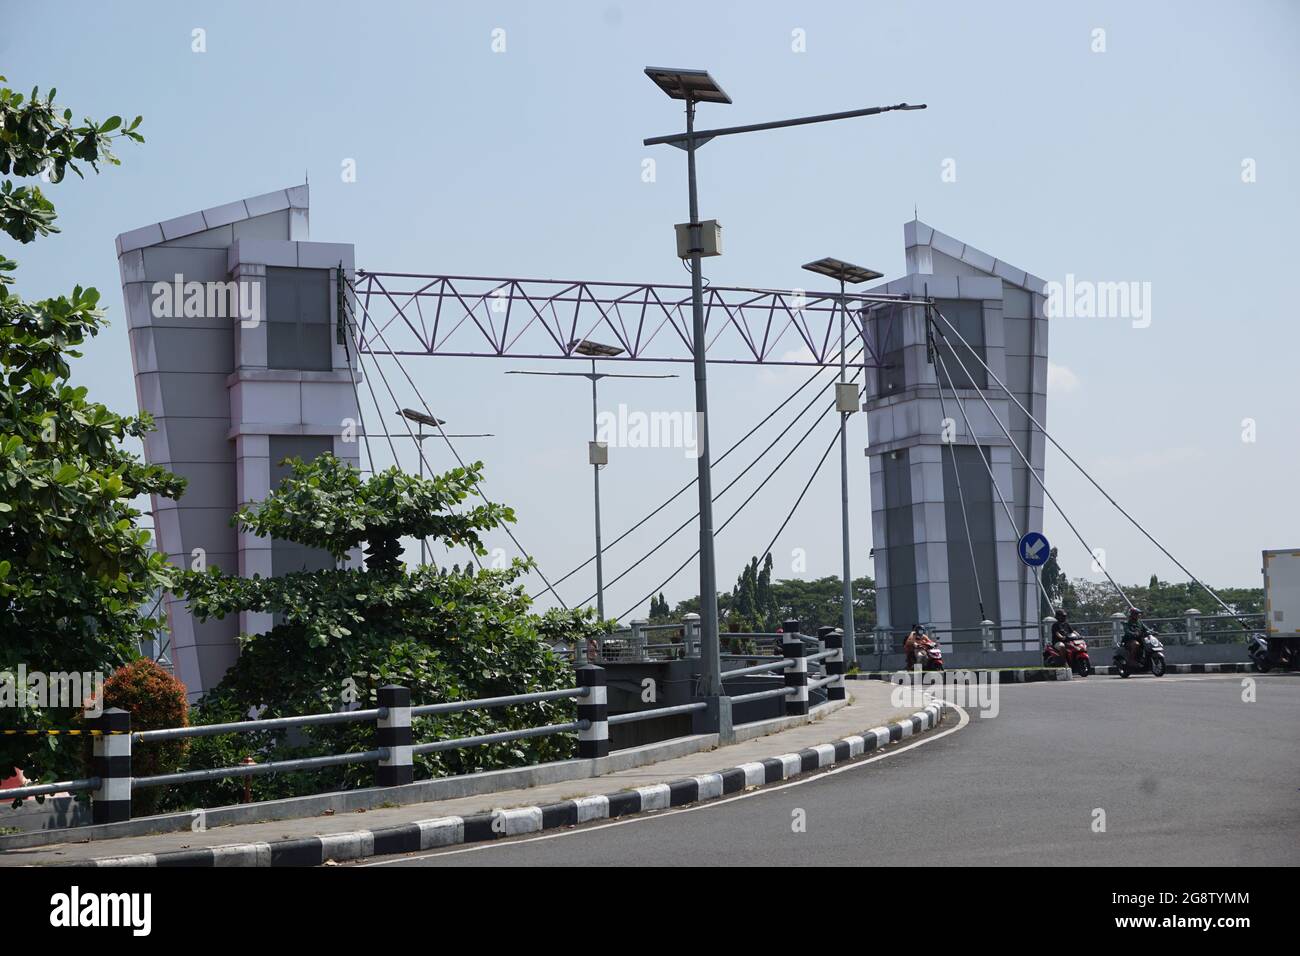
(1236, 667)
(1010, 675)
(479, 827)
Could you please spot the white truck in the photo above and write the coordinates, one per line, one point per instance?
(1282, 600)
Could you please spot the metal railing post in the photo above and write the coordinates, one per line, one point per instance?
(691, 635)
(1193, 617)
(393, 736)
(638, 640)
(593, 741)
(833, 638)
(1045, 637)
(1117, 628)
(110, 802)
(986, 636)
(796, 675)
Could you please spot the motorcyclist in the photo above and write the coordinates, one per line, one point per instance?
(916, 640)
(1061, 632)
(1134, 634)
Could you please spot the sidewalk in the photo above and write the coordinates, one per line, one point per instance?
(839, 735)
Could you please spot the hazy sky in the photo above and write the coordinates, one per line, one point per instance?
(1125, 164)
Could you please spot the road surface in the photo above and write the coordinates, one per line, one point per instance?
(1184, 770)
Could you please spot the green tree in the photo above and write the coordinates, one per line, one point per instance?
(446, 633)
(75, 568)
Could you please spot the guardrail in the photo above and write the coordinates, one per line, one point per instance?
(111, 784)
(1191, 629)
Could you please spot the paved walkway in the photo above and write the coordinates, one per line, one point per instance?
(869, 706)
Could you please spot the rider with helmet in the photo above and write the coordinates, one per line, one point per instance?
(1134, 633)
(915, 641)
(1061, 632)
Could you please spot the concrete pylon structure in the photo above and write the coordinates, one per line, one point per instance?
(923, 567)
(234, 327)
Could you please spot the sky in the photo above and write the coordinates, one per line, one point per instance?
(1152, 142)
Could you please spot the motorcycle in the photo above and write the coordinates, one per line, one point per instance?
(927, 654)
(1262, 657)
(1075, 656)
(1150, 658)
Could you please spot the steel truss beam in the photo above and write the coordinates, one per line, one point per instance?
(479, 316)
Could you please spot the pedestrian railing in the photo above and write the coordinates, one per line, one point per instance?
(1191, 629)
(111, 784)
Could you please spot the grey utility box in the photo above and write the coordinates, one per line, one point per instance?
(846, 397)
(710, 239)
(597, 453)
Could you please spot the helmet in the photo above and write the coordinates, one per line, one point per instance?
(1134, 613)
(1060, 614)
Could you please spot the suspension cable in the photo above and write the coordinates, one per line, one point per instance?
(1038, 478)
(717, 461)
(988, 466)
(752, 494)
(1070, 458)
(696, 553)
(731, 484)
(956, 472)
(826, 454)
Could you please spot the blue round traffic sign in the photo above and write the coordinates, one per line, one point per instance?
(1034, 549)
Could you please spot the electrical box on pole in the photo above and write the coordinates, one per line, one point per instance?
(710, 239)
(846, 397)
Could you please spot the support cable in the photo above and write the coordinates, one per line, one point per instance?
(988, 466)
(681, 567)
(717, 461)
(956, 472)
(750, 498)
(477, 487)
(348, 350)
(1037, 477)
(826, 454)
(685, 524)
(1105, 494)
(419, 445)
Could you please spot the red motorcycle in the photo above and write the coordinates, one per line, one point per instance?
(925, 653)
(1075, 656)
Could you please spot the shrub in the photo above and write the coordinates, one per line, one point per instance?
(155, 699)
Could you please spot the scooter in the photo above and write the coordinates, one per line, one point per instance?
(1076, 656)
(1151, 658)
(1262, 657)
(928, 655)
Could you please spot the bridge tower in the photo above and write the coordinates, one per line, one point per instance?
(232, 317)
(923, 567)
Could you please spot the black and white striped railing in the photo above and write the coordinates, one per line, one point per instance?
(111, 782)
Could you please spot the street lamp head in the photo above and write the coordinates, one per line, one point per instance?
(694, 85)
(594, 349)
(844, 271)
(412, 415)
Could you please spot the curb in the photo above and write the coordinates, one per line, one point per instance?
(1236, 667)
(1016, 675)
(481, 827)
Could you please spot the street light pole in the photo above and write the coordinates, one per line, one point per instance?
(694, 86)
(710, 650)
(593, 349)
(845, 272)
(850, 639)
(595, 472)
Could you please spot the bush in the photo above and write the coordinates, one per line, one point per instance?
(155, 699)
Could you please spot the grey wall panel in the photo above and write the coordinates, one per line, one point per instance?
(195, 349)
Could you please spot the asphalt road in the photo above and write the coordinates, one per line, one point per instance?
(1185, 771)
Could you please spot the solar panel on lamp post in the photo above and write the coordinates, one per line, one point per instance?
(421, 419)
(595, 452)
(845, 272)
(696, 86)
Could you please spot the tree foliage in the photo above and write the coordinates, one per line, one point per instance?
(75, 569)
(447, 633)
